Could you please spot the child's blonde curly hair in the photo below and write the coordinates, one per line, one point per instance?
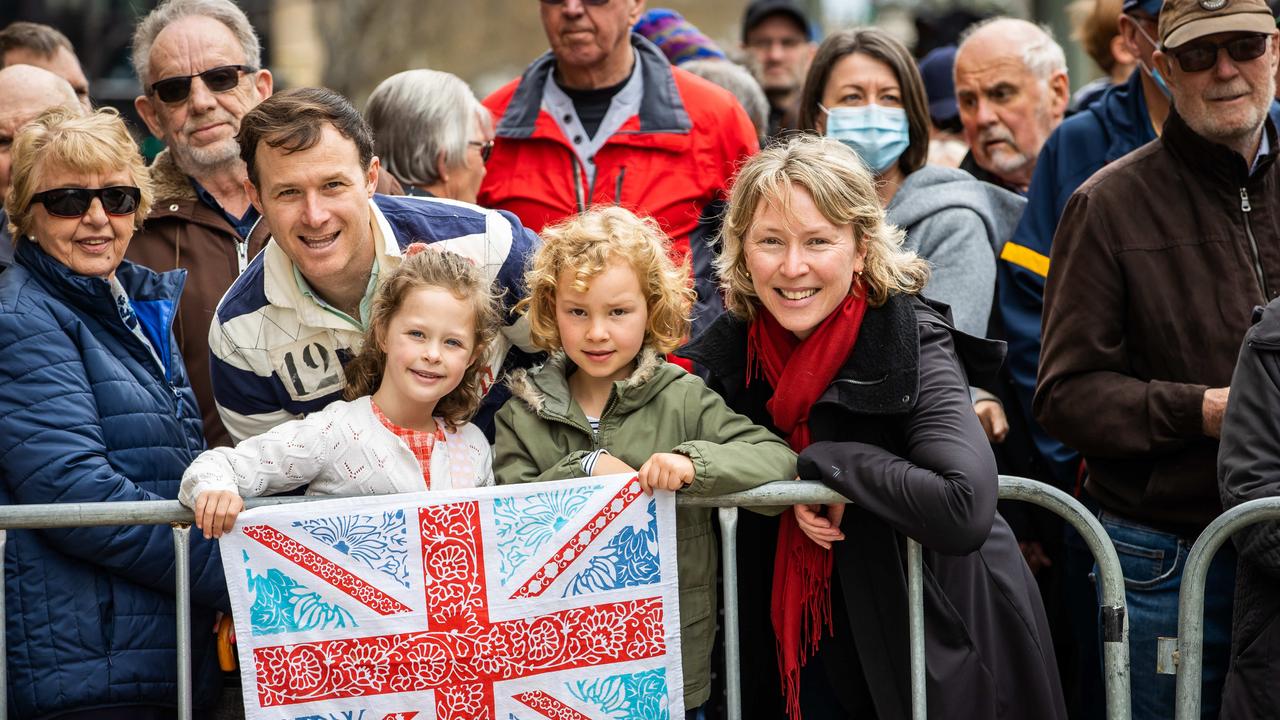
(586, 244)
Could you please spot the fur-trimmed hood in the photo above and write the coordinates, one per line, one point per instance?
(545, 389)
(169, 181)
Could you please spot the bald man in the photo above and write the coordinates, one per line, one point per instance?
(25, 92)
(1012, 89)
(29, 43)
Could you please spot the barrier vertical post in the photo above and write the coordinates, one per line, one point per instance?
(4, 648)
(915, 615)
(182, 599)
(732, 651)
(1190, 656)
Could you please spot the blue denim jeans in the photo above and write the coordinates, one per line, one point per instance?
(1153, 562)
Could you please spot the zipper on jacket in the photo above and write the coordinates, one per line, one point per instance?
(242, 254)
(577, 182)
(617, 188)
(1245, 209)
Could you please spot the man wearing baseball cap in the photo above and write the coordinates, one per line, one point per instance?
(778, 37)
(1158, 261)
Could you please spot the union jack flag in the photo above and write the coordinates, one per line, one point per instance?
(552, 600)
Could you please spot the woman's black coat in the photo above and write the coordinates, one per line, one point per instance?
(896, 434)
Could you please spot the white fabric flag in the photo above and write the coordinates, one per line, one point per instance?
(547, 600)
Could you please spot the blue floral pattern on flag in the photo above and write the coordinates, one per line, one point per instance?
(630, 559)
(637, 696)
(376, 544)
(282, 604)
(526, 524)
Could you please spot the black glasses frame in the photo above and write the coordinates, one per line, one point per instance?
(1200, 56)
(593, 3)
(486, 148)
(71, 202)
(218, 79)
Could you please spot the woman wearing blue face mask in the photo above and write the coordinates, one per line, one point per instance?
(864, 90)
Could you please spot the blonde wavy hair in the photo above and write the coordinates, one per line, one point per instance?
(843, 191)
(63, 137)
(426, 268)
(585, 244)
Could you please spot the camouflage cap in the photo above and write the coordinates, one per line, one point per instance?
(1182, 21)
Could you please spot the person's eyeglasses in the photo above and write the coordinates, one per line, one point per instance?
(219, 79)
(75, 202)
(595, 3)
(486, 148)
(1201, 56)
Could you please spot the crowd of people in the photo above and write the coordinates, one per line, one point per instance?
(812, 257)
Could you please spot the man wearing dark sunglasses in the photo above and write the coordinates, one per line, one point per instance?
(1157, 264)
(604, 118)
(199, 64)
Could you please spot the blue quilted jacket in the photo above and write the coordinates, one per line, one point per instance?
(87, 415)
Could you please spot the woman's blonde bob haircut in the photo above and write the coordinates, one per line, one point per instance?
(66, 138)
(585, 244)
(428, 268)
(845, 194)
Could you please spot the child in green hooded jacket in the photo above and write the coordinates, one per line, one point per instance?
(607, 302)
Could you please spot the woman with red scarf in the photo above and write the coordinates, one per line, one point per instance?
(828, 343)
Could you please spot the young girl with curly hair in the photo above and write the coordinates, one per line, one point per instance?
(607, 302)
(403, 426)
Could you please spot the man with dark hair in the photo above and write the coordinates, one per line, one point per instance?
(299, 312)
(1157, 263)
(200, 65)
(28, 43)
(778, 37)
(604, 118)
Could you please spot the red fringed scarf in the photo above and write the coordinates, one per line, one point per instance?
(799, 372)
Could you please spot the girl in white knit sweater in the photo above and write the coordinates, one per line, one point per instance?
(403, 425)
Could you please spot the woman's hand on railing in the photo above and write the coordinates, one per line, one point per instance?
(820, 522)
(216, 511)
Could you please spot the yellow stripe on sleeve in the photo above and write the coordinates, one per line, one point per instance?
(1027, 258)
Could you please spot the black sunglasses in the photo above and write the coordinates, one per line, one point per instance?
(75, 202)
(219, 79)
(486, 149)
(1201, 56)
(596, 3)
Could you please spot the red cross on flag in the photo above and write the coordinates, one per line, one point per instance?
(551, 600)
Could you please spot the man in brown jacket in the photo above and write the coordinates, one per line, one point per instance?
(1156, 266)
(200, 64)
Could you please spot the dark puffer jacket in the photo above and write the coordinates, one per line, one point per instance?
(1249, 468)
(86, 415)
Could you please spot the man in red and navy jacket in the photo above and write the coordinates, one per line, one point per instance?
(603, 118)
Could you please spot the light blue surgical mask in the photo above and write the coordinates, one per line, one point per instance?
(1151, 71)
(878, 134)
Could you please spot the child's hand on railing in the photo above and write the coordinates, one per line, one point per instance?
(665, 471)
(216, 511)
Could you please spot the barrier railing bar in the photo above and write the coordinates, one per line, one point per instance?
(182, 589)
(732, 630)
(1115, 623)
(1191, 597)
(915, 615)
(1116, 648)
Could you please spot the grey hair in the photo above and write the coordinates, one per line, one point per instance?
(1044, 58)
(224, 11)
(418, 116)
(739, 81)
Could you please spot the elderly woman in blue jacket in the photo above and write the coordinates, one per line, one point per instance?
(94, 406)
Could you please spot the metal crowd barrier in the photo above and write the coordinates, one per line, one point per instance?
(1115, 624)
(1190, 641)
